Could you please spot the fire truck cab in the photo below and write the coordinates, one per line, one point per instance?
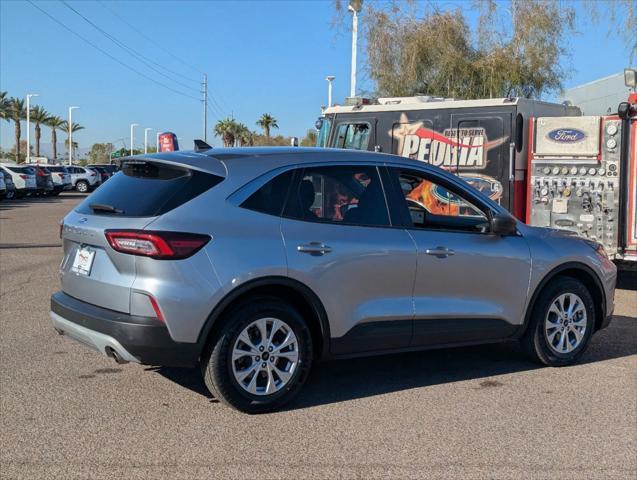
(483, 141)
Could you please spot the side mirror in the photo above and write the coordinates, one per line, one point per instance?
(623, 110)
(503, 224)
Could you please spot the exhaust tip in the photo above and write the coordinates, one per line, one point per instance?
(111, 352)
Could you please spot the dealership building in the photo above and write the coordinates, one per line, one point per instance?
(599, 97)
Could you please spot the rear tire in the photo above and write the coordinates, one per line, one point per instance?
(81, 186)
(561, 323)
(255, 382)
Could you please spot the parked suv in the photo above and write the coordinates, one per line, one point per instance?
(44, 182)
(102, 172)
(110, 168)
(9, 185)
(254, 263)
(61, 178)
(3, 186)
(23, 178)
(84, 179)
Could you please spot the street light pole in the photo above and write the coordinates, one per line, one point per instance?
(29, 95)
(330, 79)
(354, 7)
(132, 127)
(71, 134)
(146, 130)
(205, 108)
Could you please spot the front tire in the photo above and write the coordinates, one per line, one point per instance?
(561, 324)
(261, 357)
(81, 186)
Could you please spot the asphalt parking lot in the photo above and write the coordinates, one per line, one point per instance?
(479, 412)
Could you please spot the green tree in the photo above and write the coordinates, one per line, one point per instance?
(267, 122)
(100, 153)
(54, 123)
(517, 47)
(38, 116)
(310, 139)
(16, 113)
(226, 128)
(4, 106)
(20, 157)
(244, 135)
(75, 128)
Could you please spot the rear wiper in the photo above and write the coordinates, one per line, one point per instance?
(101, 207)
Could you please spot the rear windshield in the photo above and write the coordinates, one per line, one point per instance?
(146, 189)
(26, 170)
(57, 169)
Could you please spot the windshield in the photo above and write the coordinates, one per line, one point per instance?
(353, 136)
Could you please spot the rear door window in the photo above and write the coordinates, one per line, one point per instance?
(147, 189)
(270, 198)
(350, 195)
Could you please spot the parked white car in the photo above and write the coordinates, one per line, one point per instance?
(3, 186)
(61, 178)
(84, 179)
(23, 178)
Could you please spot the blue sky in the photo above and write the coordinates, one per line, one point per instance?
(266, 56)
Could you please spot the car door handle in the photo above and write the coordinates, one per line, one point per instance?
(440, 252)
(314, 248)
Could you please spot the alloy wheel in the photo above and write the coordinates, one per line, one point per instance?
(265, 356)
(565, 323)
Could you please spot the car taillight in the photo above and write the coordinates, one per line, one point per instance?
(92, 174)
(158, 245)
(24, 177)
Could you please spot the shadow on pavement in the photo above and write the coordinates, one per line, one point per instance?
(338, 381)
(627, 280)
(33, 200)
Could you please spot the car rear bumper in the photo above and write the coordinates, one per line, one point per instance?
(133, 338)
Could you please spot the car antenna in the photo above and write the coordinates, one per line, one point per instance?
(201, 146)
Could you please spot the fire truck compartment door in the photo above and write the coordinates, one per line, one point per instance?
(480, 153)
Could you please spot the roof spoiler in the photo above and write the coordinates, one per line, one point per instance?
(201, 146)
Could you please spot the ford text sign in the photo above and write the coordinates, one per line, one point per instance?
(566, 135)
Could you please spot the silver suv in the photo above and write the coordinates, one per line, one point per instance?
(254, 263)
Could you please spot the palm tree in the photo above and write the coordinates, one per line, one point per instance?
(4, 106)
(244, 136)
(38, 116)
(266, 122)
(226, 129)
(76, 127)
(55, 123)
(16, 113)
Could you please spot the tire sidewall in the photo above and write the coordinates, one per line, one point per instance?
(543, 350)
(218, 367)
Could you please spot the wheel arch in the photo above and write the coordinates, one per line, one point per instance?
(580, 272)
(293, 291)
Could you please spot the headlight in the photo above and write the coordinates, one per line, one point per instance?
(599, 248)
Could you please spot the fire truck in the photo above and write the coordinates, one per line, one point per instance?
(483, 141)
(583, 177)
